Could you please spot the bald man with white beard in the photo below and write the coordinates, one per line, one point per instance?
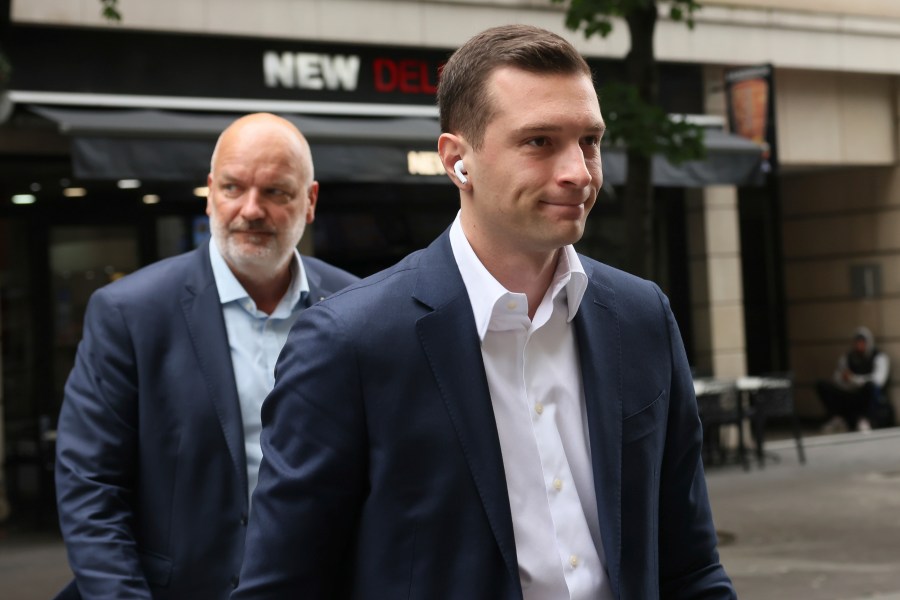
(158, 448)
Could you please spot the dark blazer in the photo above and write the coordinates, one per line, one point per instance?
(383, 477)
(151, 477)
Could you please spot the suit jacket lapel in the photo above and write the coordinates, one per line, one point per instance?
(451, 345)
(597, 330)
(314, 279)
(203, 314)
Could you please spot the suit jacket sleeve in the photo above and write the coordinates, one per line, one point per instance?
(96, 457)
(689, 562)
(312, 477)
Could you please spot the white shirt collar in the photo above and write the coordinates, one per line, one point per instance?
(230, 289)
(485, 291)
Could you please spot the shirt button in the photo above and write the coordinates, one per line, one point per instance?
(244, 520)
(512, 305)
(573, 560)
(234, 581)
(538, 408)
(557, 484)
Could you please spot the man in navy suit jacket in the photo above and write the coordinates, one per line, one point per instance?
(496, 416)
(157, 426)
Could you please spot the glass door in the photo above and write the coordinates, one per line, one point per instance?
(82, 259)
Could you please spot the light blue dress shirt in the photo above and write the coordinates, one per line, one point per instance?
(255, 340)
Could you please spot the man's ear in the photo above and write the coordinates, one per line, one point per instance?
(209, 182)
(453, 149)
(313, 196)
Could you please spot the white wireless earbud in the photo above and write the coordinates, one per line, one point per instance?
(458, 169)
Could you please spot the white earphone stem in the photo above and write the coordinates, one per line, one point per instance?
(458, 169)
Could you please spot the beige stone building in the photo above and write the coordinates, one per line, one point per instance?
(837, 108)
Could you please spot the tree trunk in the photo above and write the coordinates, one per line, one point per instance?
(641, 71)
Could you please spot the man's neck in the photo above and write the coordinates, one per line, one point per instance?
(529, 274)
(266, 290)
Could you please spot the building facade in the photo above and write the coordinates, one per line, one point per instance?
(105, 127)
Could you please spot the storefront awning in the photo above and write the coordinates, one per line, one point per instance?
(730, 160)
(167, 145)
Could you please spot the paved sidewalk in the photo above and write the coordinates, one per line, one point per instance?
(827, 530)
(32, 565)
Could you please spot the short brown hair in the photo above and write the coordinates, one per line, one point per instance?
(463, 99)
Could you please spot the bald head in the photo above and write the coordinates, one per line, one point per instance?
(261, 196)
(250, 129)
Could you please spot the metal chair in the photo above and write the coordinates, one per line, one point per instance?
(772, 395)
(720, 405)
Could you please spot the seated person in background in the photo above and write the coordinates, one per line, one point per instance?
(853, 397)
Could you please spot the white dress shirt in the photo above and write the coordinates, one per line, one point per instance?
(536, 390)
(255, 340)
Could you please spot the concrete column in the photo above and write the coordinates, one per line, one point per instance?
(717, 296)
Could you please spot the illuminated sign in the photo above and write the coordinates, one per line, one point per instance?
(311, 71)
(424, 163)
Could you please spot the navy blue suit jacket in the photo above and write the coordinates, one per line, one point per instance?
(151, 477)
(383, 477)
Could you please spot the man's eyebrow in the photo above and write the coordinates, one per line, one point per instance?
(283, 181)
(598, 127)
(534, 128)
(226, 174)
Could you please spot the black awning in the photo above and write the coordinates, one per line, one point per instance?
(730, 160)
(151, 123)
(168, 145)
(160, 145)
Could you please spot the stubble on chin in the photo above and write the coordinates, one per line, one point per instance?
(253, 259)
